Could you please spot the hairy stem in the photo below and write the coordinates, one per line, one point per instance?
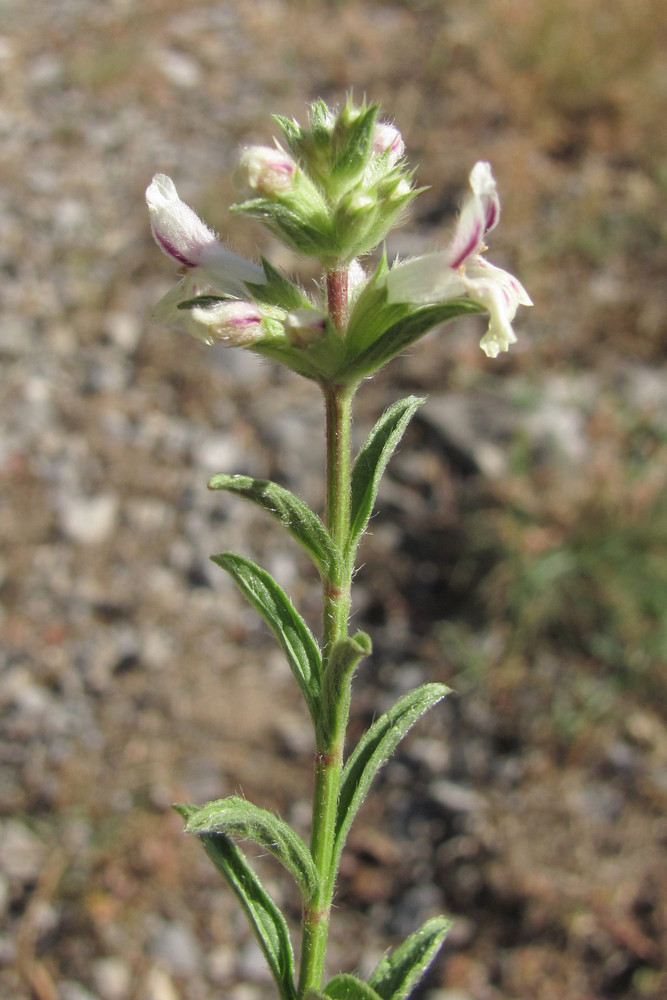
(336, 609)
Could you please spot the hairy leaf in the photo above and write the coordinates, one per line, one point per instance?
(348, 987)
(336, 684)
(263, 915)
(278, 290)
(399, 971)
(375, 747)
(401, 332)
(237, 817)
(302, 523)
(294, 636)
(372, 461)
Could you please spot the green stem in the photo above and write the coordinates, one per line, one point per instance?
(336, 609)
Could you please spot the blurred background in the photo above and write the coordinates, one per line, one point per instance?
(519, 553)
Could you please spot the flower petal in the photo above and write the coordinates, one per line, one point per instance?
(178, 231)
(500, 294)
(479, 214)
(424, 279)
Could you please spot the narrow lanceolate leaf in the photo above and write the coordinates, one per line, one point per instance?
(399, 972)
(372, 461)
(348, 987)
(374, 749)
(302, 523)
(263, 915)
(237, 817)
(294, 636)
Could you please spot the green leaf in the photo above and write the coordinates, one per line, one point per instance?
(393, 332)
(348, 987)
(263, 915)
(372, 461)
(302, 523)
(235, 816)
(342, 663)
(372, 314)
(399, 972)
(278, 290)
(307, 234)
(294, 636)
(374, 749)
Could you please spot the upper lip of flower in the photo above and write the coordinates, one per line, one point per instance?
(177, 229)
(182, 235)
(479, 215)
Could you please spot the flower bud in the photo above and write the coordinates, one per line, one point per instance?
(265, 170)
(388, 140)
(233, 322)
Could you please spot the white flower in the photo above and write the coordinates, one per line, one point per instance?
(207, 266)
(461, 270)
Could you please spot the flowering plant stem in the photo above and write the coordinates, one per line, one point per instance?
(332, 191)
(336, 607)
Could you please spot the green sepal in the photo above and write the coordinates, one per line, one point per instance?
(263, 915)
(292, 131)
(399, 971)
(341, 665)
(301, 522)
(278, 290)
(292, 633)
(374, 749)
(352, 143)
(347, 987)
(372, 461)
(235, 816)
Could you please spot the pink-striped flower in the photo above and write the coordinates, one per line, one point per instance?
(207, 267)
(460, 270)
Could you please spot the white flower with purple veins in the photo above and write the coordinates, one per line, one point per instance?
(208, 268)
(461, 270)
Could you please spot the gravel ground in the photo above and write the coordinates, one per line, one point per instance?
(132, 673)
